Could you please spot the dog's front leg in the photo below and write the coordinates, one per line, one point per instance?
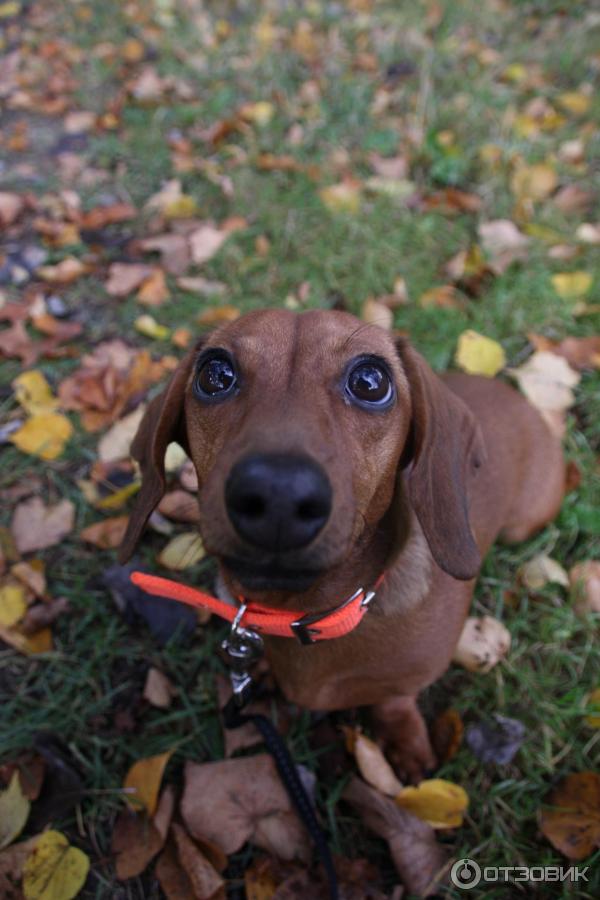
(401, 730)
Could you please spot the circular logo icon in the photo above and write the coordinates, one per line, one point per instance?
(465, 874)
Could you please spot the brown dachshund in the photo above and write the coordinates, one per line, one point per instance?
(328, 452)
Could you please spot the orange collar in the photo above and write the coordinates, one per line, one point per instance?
(308, 628)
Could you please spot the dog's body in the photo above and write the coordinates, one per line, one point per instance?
(420, 485)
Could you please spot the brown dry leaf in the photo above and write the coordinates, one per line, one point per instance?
(31, 769)
(11, 207)
(571, 821)
(171, 876)
(452, 201)
(12, 860)
(533, 183)
(158, 690)
(182, 551)
(143, 779)
(573, 199)
(43, 434)
(419, 859)
(182, 337)
(101, 216)
(440, 803)
(447, 734)
(503, 243)
(106, 534)
(483, 643)
(542, 570)
(124, 278)
(116, 442)
(29, 645)
(580, 353)
(32, 575)
(372, 764)
(444, 296)
(36, 526)
(174, 251)
(584, 579)
(239, 800)
(376, 313)
(135, 841)
(38, 617)
(204, 879)
(64, 272)
(154, 291)
(180, 506)
(205, 242)
(15, 342)
(218, 315)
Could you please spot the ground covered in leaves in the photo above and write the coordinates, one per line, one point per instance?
(165, 166)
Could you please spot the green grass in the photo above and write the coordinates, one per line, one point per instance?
(99, 663)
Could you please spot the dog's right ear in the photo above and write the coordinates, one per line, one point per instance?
(162, 423)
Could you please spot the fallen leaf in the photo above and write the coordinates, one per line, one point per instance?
(542, 570)
(54, 870)
(205, 242)
(447, 734)
(574, 102)
(451, 201)
(66, 271)
(107, 533)
(238, 800)
(37, 619)
(479, 355)
(372, 764)
(533, 183)
(174, 251)
(584, 579)
(158, 690)
(571, 819)
(440, 803)
(180, 506)
(29, 645)
(573, 199)
(12, 860)
(503, 243)
(588, 233)
(259, 113)
(483, 643)
(376, 313)
(571, 285)
(172, 202)
(182, 337)
(198, 284)
(580, 353)
(153, 291)
(444, 296)
(33, 393)
(171, 876)
(44, 435)
(13, 604)
(496, 741)
(218, 315)
(101, 216)
(11, 207)
(547, 381)
(343, 198)
(36, 526)
(182, 552)
(592, 703)
(14, 811)
(116, 442)
(124, 278)
(30, 768)
(204, 879)
(143, 779)
(418, 858)
(135, 841)
(149, 327)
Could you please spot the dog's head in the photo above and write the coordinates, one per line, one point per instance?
(303, 430)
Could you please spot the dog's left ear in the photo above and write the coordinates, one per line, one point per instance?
(444, 448)
(162, 423)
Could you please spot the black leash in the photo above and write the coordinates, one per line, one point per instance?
(243, 647)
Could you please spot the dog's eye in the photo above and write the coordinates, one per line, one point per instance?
(369, 383)
(215, 378)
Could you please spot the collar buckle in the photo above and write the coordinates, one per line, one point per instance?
(302, 627)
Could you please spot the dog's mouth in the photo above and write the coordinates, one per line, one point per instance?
(270, 576)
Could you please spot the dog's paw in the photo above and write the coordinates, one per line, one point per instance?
(401, 730)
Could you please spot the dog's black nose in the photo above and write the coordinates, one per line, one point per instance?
(278, 502)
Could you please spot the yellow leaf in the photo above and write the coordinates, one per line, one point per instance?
(119, 498)
(574, 102)
(149, 327)
(569, 285)
(534, 182)
(341, 198)
(182, 552)
(260, 113)
(515, 72)
(33, 392)
(183, 207)
(143, 780)
(12, 604)
(30, 645)
(439, 803)
(9, 9)
(593, 701)
(479, 355)
(373, 765)
(54, 870)
(14, 810)
(43, 435)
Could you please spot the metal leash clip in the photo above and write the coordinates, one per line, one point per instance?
(243, 648)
